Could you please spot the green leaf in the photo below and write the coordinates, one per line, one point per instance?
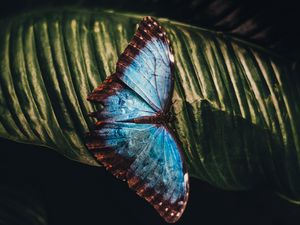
(236, 104)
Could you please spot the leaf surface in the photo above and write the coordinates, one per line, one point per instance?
(236, 104)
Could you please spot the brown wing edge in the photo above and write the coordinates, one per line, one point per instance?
(148, 28)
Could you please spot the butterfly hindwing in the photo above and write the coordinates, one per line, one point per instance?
(147, 64)
(148, 157)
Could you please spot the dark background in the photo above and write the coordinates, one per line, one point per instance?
(72, 193)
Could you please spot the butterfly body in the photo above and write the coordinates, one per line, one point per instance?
(132, 138)
(159, 118)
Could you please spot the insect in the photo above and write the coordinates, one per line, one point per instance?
(132, 138)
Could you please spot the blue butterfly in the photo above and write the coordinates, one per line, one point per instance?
(132, 138)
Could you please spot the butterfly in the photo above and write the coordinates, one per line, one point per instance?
(132, 138)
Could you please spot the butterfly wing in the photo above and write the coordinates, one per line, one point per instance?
(147, 64)
(119, 102)
(148, 157)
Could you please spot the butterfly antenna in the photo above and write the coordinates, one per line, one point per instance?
(173, 102)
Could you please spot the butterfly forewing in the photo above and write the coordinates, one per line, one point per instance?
(146, 65)
(146, 154)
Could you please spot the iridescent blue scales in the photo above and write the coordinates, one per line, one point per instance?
(131, 137)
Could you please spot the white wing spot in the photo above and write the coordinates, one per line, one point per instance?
(172, 214)
(166, 209)
(155, 23)
(178, 214)
(160, 203)
(186, 177)
(172, 60)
